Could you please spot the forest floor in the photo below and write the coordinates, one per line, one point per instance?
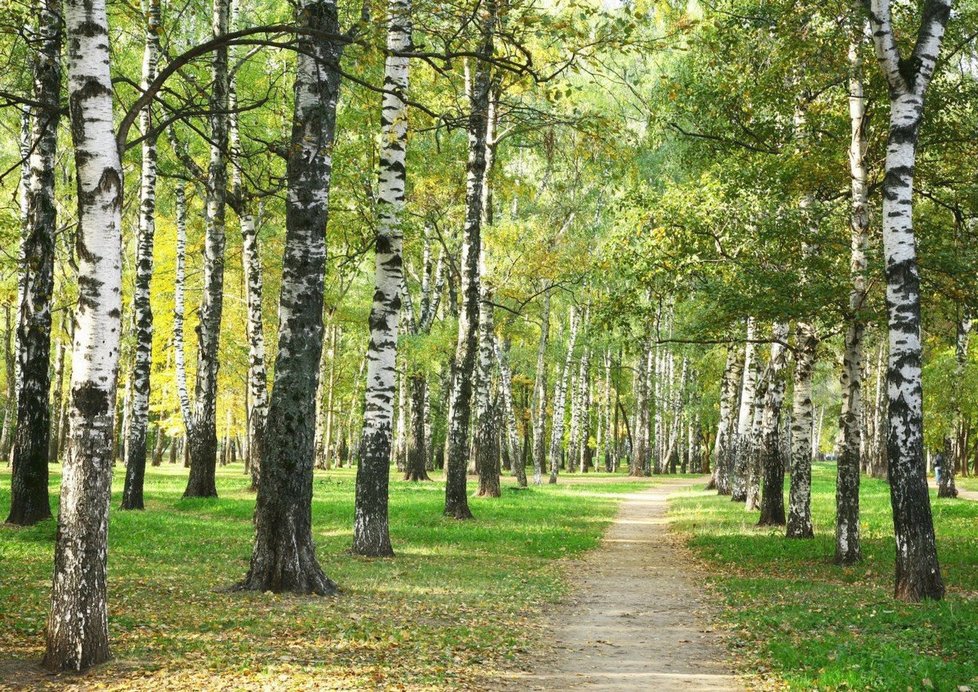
(460, 607)
(636, 617)
(800, 622)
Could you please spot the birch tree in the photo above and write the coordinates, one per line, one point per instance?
(770, 452)
(456, 448)
(560, 396)
(370, 530)
(540, 395)
(29, 501)
(77, 628)
(202, 436)
(847, 542)
(745, 417)
(284, 556)
(918, 574)
(142, 315)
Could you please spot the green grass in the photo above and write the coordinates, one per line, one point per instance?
(803, 623)
(460, 601)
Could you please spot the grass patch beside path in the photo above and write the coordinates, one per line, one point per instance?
(458, 602)
(806, 624)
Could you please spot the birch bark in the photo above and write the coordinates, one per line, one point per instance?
(29, 501)
(77, 628)
(918, 574)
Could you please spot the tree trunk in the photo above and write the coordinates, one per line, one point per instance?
(370, 531)
(142, 315)
(456, 501)
(560, 395)
(284, 556)
(77, 627)
(509, 411)
(202, 436)
(847, 541)
(771, 455)
(29, 501)
(955, 443)
(179, 281)
(540, 395)
(918, 574)
(800, 496)
(745, 417)
(723, 452)
(485, 443)
(57, 402)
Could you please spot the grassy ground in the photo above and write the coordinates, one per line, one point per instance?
(803, 623)
(459, 602)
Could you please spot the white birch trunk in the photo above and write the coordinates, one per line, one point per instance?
(77, 628)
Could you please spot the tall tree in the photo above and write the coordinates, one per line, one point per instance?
(202, 436)
(29, 501)
(284, 556)
(745, 417)
(540, 395)
(723, 452)
(142, 314)
(77, 627)
(847, 544)
(560, 396)
(456, 448)
(254, 283)
(918, 574)
(370, 529)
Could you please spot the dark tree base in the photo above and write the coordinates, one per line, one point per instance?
(288, 571)
(411, 475)
(460, 512)
(373, 547)
(27, 513)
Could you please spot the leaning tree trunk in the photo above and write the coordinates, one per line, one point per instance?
(202, 436)
(540, 395)
(918, 574)
(371, 534)
(741, 444)
(77, 627)
(29, 501)
(560, 396)
(456, 501)
(770, 453)
(142, 314)
(284, 556)
(847, 540)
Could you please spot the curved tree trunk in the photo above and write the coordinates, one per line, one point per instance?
(142, 315)
(371, 535)
(29, 501)
(284, 556)
(77, 627)
(202, 436)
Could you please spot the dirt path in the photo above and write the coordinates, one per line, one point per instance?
(636, 619)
